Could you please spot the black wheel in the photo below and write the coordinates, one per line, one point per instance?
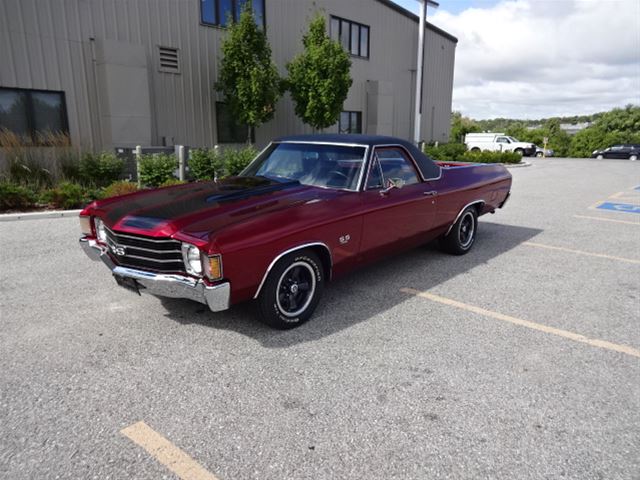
(475, 149)
(292, 290)
(633, 157)
(520, 151)
(539, 154)
(599, 157)
(463, 233)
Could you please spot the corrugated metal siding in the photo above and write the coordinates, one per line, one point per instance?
(49, 45)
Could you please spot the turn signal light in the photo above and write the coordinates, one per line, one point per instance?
(213, 267)
(85, 225)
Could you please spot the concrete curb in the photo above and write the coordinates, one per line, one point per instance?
(10, 217)
(518, 165)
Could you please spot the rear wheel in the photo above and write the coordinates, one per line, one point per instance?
(539, 154)
(292, 290)
(519, 151)
(475, 149)
(463, 233)
(633, 157)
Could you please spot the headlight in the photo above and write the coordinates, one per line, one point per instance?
(101, 231)
(191, 258)
(595, 151)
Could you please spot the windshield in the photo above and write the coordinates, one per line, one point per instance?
(319, 165)
(514, 140)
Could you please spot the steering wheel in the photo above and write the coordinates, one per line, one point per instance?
(331, 176)
(340, 174)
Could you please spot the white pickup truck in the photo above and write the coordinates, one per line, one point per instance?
(498, 142)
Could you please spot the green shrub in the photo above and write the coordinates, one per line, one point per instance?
(119, 188)
(92, 194)
(236, 160)
(70, 169)
(99, 169)
(491, 157)
(66, 195)
(171, 182)
(26, 171)
(205, 164)
(155, 169)
(446, 152)
(15, 197)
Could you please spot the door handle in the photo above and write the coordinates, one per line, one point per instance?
(431, 193)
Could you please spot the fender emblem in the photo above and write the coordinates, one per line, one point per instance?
(344, 239)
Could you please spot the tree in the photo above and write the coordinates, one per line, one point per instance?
(248, 77)
(319, 77)
(460, 126)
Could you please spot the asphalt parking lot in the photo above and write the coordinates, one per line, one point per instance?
(518, 360)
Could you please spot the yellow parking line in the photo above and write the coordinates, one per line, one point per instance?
(581, 252)
(628, 196)
(576, 337)
(166, 452)
(597, 204)
(617, 195)
(608, 219)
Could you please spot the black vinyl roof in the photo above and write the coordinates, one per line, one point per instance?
(427, 167)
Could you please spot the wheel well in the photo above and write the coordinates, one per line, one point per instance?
(479, 207)
(325, 258)
(319, 249)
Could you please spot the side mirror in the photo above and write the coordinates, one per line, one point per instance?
(391, 184)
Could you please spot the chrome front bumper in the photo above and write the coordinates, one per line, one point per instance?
(216, 297)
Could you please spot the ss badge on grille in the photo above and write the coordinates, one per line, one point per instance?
(118, 250)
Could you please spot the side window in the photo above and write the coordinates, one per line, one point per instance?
(375, 175)
(502, 140)
(391, 163)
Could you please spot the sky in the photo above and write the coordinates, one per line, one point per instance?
(533, 59)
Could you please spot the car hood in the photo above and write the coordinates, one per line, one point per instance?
(193, 211)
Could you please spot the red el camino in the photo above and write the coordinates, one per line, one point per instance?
(308, 209)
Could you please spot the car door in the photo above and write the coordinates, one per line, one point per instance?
(617, 151)
(503, 144)
(395, 218)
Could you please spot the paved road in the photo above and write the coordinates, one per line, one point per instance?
(380, 384)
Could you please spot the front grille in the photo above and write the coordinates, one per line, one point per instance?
(155, 254)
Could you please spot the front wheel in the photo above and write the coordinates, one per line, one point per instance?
(599, 157)
(539, 154)
(463, 233)
(633, 157)
(292, 290)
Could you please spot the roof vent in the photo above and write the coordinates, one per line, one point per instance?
(168, 60)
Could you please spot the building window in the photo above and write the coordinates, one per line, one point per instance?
(229, 131)
(33, 115)
(350, 122)
(353, 36)
(218, 12)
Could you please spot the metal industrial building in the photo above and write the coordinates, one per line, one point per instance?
(141, 72)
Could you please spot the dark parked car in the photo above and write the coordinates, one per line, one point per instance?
(629, 150)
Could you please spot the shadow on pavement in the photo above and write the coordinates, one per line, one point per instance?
(362, 294)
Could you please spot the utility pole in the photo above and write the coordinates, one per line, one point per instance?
(417, 124)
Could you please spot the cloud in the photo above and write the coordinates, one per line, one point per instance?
(540, 58)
